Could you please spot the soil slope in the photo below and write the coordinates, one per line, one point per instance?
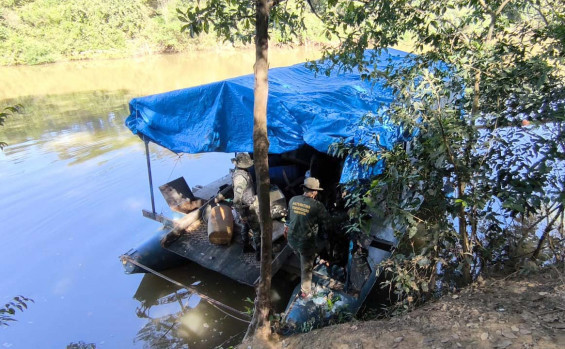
(511, 312)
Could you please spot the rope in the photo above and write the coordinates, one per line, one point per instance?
(229, 339)
(216, 304)
(177, 160)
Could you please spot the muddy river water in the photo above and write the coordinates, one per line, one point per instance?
(73, 182)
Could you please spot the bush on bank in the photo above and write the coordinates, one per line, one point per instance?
(46, 31)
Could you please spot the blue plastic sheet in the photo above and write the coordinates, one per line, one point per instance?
(303, 108)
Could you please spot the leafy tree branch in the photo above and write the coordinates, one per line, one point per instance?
(9, 310)
(485, 92)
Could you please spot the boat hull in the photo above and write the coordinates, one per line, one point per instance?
(150, 253)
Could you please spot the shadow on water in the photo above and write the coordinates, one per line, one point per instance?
(177, 318)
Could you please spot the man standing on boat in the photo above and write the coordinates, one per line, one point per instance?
(306, 216)
(245, 202)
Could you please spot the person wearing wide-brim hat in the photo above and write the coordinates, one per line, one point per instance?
(306, 215)
(312, 184)
(242, 160)
(245, 202)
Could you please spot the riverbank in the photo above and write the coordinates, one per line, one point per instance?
(517, 311)
(44, 31)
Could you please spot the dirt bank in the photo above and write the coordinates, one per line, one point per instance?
(511, 312)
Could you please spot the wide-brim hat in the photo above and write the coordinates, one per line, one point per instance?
(312, 183)
(242, 160)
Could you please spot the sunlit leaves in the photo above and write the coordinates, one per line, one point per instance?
(230, 20)
(486, 94)
(44, 31)
(234, 20)
(410, 278)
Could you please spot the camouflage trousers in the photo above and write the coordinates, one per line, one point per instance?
(306, 266)
(250, 222)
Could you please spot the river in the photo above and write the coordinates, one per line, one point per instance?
(73, 182)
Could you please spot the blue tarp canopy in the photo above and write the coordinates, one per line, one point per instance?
(303, 108)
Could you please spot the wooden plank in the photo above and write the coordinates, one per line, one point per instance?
(181, 223)
(159, 218)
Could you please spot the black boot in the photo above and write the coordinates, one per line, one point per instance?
(245, 239)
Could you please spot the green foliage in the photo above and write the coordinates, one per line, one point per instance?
(81, 345)
(330, 301)
(234, 21)
(410, 277)
(7, 112)
(9, 310)
(508, 249)
(43, 31)
(307, 325)
(249, 306)
(482, 72)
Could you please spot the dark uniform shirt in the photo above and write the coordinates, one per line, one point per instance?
(306, 215)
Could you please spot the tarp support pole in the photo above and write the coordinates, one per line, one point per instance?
(149, 172)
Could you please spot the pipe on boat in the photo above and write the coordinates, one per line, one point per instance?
(146, 141)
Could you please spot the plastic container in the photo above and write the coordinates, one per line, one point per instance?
(220, 225)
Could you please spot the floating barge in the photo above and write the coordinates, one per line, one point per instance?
(306, 115)
(187, 238)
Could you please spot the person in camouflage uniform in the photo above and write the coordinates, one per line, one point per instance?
(245, 201)
(306, 216)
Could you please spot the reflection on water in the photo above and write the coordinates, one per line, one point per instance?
(177, 317)
(142, 75)
(73, 181)
(48, 117)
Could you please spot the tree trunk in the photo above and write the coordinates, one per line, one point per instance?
(464, 236)
(546, 231)
(260, 323)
